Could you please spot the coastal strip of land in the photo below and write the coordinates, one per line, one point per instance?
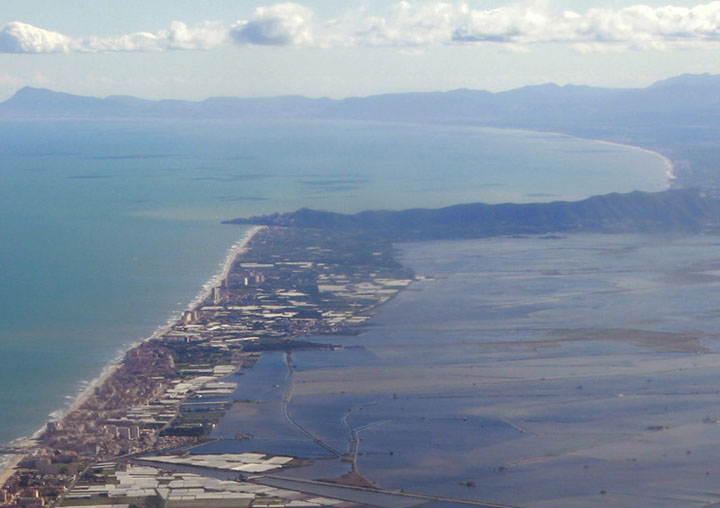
(170, 391)
(27, 444)
(9, 470)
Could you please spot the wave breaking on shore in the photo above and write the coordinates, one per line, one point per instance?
(9, 461)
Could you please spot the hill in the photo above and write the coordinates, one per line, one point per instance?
(679, 211)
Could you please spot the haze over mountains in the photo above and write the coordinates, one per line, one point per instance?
(688, 98)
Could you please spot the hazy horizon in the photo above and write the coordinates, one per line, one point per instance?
(408, 92)
(317, 48)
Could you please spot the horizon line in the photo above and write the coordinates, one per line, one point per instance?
(379, 94)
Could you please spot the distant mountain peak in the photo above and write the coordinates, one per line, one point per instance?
(689, 80)
(42, 102)
(33, 93)
(29, 91)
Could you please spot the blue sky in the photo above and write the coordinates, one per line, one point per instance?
(194, 49)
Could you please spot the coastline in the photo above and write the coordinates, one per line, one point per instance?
(151, 390)
(670, 166)
(235, 250)
(7, 471)
(670, 173)
(26, 443)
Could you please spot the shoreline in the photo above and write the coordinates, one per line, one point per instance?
(670, 172)
(235, 250)
(239, 247)
(294, 269)
(8, 470)
(670, 166)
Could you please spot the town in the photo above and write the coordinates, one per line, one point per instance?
(116, 445)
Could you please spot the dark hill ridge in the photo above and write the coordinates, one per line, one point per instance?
(680, 211)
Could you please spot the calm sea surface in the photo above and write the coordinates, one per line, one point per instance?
(109, 229)
(549, 372)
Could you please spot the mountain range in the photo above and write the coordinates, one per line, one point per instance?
(687, 98)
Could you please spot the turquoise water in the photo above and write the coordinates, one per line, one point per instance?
(108, 228)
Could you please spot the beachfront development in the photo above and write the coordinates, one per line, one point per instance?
(127, 441)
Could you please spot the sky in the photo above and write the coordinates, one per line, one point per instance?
(194, 49)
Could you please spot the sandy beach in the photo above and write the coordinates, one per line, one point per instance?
(8, 471)
(237, 249)
(670, 172)
(215, 281)
(670, 166)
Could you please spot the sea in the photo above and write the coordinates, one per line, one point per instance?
(109, 229)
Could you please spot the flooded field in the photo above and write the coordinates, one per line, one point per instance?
(539, 372)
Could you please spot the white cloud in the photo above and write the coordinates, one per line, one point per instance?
(516, 26)
(17, 37)
(410, 26)
(140, 41)
(644, 27)
(286, 24)
(637, 27)
(206, 36)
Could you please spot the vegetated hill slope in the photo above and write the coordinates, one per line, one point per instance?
(687, 210)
